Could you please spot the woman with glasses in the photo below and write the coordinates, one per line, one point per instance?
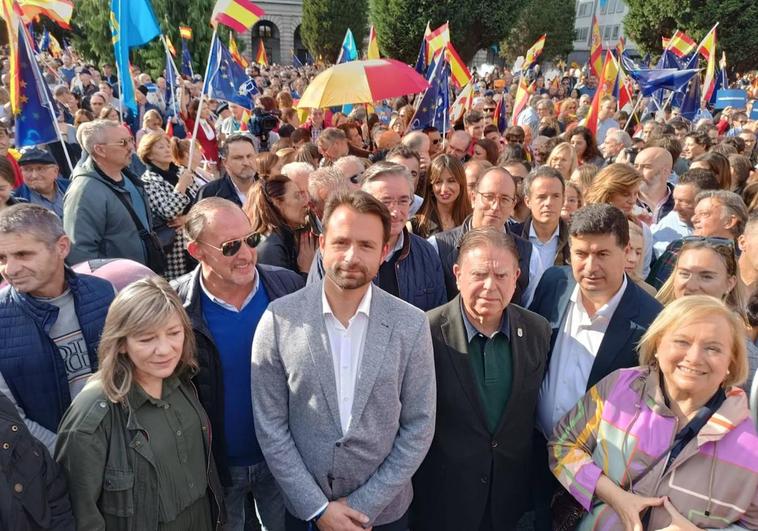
(279, 214)
(446, 201)
(135, 445)
(669, 444)
(171, 192)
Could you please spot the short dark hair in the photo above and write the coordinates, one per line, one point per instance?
(488, 236)
(670, 144)
(701, 178)
(542, 171)
(600, 219)
(404, 152)
(361, 202)
(223, 150)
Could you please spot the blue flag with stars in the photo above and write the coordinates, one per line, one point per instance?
(186, 60)
(34, 124)
(433, 109)
(227, 79)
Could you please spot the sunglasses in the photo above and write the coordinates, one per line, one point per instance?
(356, 179)
(232, 247)
(713, 241)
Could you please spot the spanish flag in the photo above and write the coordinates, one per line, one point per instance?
(681, 44)
(373, 45)
(170, 46)
(59, 11)
(10, 13)
(462, 103)
(185, 32)
(234, 51)
(533, 53)
(437, 41)
(596, 49)
(605, 88)
(707, 49)
(239, 15)
(522, 98)
(261, 58)
(458, 70)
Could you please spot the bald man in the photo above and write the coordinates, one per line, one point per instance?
(656, 194)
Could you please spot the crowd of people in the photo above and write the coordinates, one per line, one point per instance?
(313, 319)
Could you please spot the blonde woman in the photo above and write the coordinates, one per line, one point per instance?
(563, 159)
(135, 443)
(669, 444)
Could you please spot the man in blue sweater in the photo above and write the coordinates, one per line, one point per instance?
(225, 297)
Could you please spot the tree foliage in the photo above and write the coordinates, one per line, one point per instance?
(553, 17)
(474, 24)
(325, 23)
(737, 34)
(92, 34)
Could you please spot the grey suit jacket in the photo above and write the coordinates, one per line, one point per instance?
(297, 415)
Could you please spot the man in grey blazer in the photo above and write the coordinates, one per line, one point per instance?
(343, 384)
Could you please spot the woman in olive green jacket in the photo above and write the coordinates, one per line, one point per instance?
(135, 443)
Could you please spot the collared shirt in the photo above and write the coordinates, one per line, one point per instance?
(347, 345)
(226, 305)
(242, 195)
(670, 228)
(396, 248)
(659, 210)
(56, 205)
(573, 355)
(472, 331)
(547, 250)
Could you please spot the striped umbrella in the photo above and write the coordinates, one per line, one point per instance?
(362, 82)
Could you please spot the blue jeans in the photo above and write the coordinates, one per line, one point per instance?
(269, 503)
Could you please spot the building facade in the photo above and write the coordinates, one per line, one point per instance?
(279, 29)
(610, 17)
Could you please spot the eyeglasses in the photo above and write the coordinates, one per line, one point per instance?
(232, 247)
(403, 202)
(123, 142)
(356, 179)
(713, 241)
(435, 141)
(500, 200)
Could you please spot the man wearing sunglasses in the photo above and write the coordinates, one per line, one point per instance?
(95, 213)
(435, 141)
(225, 297)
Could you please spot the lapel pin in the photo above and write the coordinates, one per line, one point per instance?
(519, 332)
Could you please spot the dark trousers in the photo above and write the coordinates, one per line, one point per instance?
(544, 484)
(293, 524)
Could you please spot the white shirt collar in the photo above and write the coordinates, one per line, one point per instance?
(223, 303)
(364, 306)
(533, 233)
(607, 310)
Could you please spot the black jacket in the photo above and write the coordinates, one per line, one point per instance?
(33, 493)
(223, 187)
(209, 379)
(280, 249)
(563, 254)
(467, 464)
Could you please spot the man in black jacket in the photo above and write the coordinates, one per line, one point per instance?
(241, 170)
(489, 357)
(33, 492)
(225, 298)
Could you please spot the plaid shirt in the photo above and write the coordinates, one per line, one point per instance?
(662, 268)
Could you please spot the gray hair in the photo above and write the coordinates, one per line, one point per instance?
(35, 220)
(341, 162)
(200, 213)
(329, 178)
(295, 168)
(94, 131)
(733, 206)
(621, 136)
(415, 140)
(383, 168)
(329, 136)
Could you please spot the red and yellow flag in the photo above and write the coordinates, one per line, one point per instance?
(373, 45)
(707, 49)
(458, 70)
(533, 53)
(170, 46)
(437, 40)
(59, 11)
(234, 51)
(185, 32)
(261, 58)
(681, 44)
(11, 13)
(522, 98)
(239, 15)
(596, 49)
(604, 88)
(462, 103)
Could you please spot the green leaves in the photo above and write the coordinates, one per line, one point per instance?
(325, 23)
(554, 17)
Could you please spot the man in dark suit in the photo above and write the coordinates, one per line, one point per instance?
(597, 315)
(489, 361)
(240, 167)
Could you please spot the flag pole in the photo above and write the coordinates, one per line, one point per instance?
(35, 71)
(119, 73)
(173, 85)
(202, 97)
(631, 114)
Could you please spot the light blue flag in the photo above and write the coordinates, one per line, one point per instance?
(133, 24)
(349, 51)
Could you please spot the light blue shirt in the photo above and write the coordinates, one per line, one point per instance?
(668, 229)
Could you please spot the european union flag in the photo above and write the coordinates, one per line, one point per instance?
(186, 60)
(296, 62)
(172, 81)
(132, 24)
(227, 79)
(44, 44)
(349, 50)
(35, 123)
(433, 109)
(421, 60)
(665, 78)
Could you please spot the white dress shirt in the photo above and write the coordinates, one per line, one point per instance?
(573, 356)
(229, 306)
(347, 351)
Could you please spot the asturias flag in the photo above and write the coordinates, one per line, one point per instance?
(348, 52)
(133, 24)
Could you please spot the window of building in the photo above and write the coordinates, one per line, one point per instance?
(620, 6)
(582, 33)
(611, 6)
(606, 32)
(584, 10)
(615, 34)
